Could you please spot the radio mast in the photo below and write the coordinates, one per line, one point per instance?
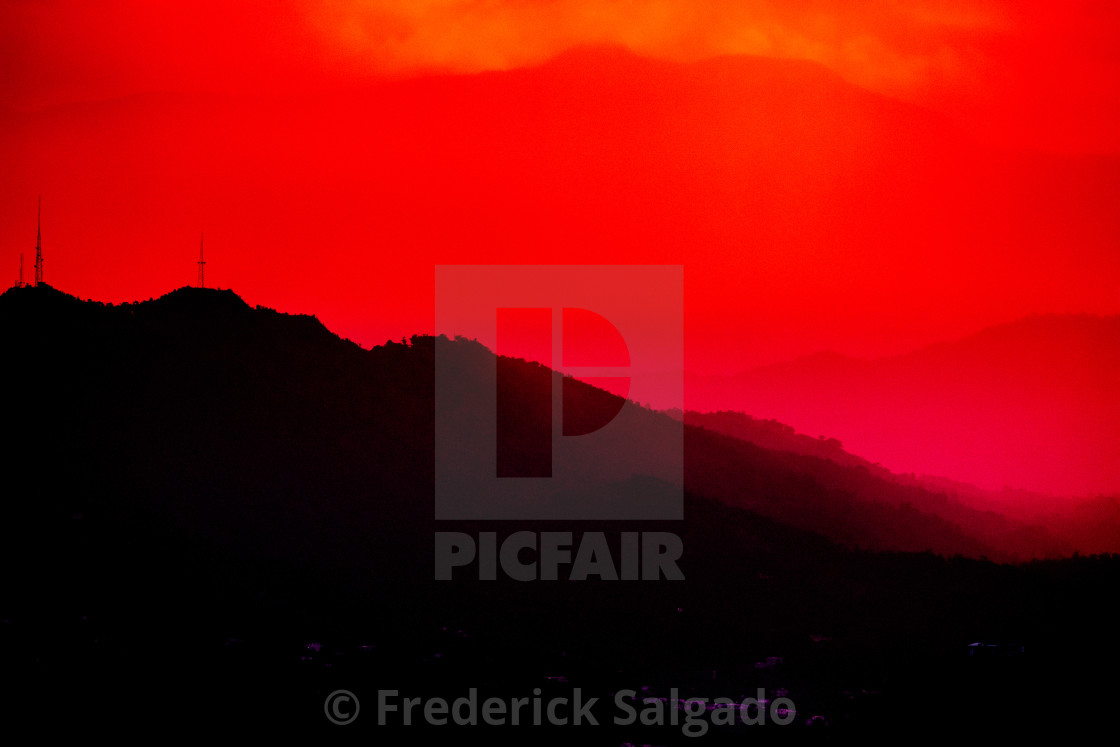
(39, 247)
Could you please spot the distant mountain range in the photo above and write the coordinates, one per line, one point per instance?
(1082, 523)
(1033, 405)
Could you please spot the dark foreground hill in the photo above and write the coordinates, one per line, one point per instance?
(218, 515)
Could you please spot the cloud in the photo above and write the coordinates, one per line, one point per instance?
(1039, 73)
(1048, 71)
(874, 43)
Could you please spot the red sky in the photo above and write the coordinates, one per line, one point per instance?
(872, 178)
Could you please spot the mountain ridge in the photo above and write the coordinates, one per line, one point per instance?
(782, 485)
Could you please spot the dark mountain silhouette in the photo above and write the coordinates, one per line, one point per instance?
(154, 346)
(233, 507)
(1032, 405)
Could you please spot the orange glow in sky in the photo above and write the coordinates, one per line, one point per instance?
(1036, 74)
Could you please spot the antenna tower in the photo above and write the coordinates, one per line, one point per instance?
(39, 247)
